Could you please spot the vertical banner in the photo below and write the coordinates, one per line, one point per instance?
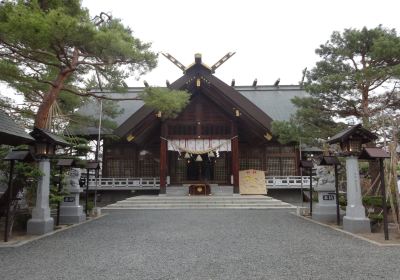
(252, 181)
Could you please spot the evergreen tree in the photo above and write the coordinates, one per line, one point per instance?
(357, 77)
(51, 50)
(358, 74)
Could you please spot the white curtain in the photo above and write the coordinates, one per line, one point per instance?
(199, 146)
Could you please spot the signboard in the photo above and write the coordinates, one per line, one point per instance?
(252, 181)
(69, 199)
(328, 197)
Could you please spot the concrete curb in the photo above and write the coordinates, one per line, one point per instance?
(37, 237)
(348, 233)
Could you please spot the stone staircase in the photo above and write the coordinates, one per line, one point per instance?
(200, 202)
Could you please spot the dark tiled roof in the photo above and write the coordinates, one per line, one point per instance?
(129, 107)
(11, 133)
(273, 101)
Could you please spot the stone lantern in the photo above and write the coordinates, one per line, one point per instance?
(351, 141)
(45, 146)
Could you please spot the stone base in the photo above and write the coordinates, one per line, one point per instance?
(324, 218)
(96, 212)
(71, 215)
(67, 220)
(353, 225)
(38, 227)
(302, 211)
(324, 213)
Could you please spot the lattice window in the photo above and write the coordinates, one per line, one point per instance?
(180, 170)
(146, 167)
(182, 129)
(177, 169)
(215, 129)
(273, 149)
(287, 149)
(113, 167)
(220, 168)
(250, 163)
(288, 166)
(273, 166)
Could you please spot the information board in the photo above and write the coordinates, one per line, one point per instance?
(252, 181)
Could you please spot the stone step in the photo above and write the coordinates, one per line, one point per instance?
(200, 202)
(111, 207)
(199, 197)
(123, 204)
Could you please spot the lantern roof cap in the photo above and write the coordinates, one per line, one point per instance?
(91, 164)
(20, 155)
(373, 153)
(66, 162)
(329, 160)
(43, 135)
(306, 164)
(356, 131)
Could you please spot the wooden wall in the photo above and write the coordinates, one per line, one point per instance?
(122, 160)
(275, 159)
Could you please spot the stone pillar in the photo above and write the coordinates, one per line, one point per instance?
(41, 221)
(70, 210)
(325, 209)
(355, 220)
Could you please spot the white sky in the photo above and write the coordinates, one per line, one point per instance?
(272, 39)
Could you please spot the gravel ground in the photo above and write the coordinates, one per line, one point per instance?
(200, 244)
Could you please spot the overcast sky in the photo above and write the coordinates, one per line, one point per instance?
(272, 39)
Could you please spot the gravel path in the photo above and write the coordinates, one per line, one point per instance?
(200, 244)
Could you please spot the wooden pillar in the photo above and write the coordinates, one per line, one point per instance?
(235, 163)
(163, 160)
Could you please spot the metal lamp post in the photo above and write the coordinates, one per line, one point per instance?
(90, 165)
(12, 157)
(379, 154)
(308, 164)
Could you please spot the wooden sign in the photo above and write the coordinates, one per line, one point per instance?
(252, 182)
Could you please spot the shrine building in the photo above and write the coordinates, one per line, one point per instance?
(224, 129)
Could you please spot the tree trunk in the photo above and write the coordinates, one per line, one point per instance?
(49, 99)
(365, 107)
(51, 96)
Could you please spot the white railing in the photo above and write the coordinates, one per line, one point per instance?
(124, 183)
(289, 182)
(273, 182)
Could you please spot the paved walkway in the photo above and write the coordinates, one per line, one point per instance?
(200, 244)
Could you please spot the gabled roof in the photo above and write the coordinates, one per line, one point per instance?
(11, 133)
(356, 130)
(261, 104)
(215, 89)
